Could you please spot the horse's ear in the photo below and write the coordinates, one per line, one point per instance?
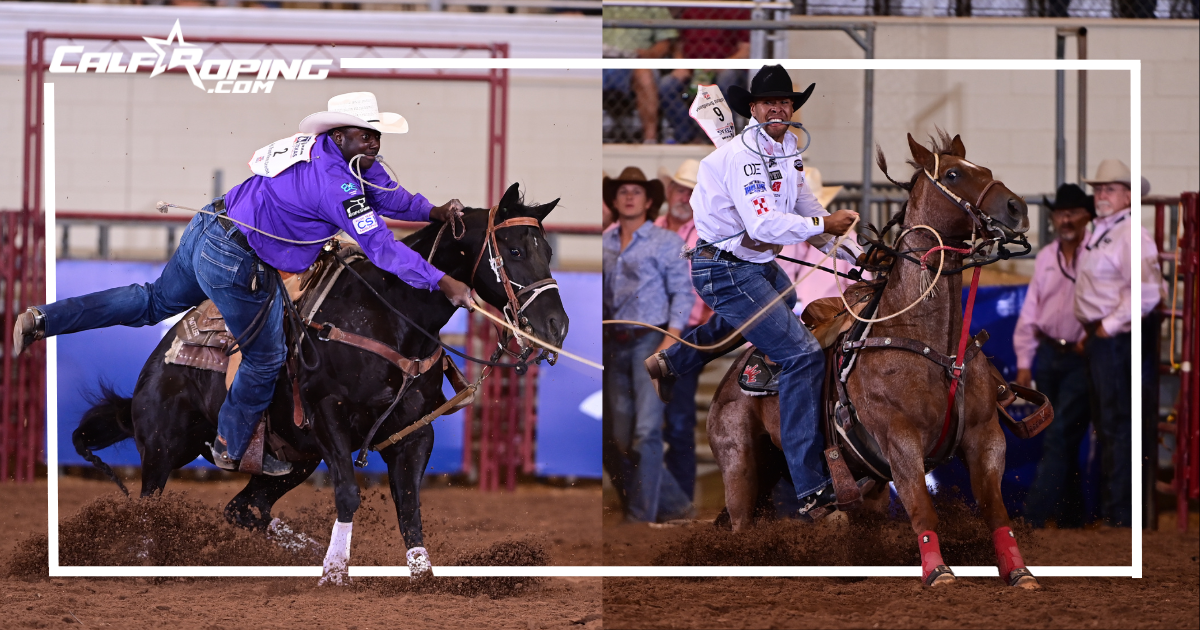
(920, 154)
(540, 212)
(956, 147)
(511, 198)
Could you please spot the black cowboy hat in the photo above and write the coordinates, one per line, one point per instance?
(771, 81)
(1071, 196)
(634, 175)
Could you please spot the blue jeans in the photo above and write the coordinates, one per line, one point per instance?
(1057, 491)
(207, 265)
(679, 431)
(1110, 366)
(633, 445)
(736, 290)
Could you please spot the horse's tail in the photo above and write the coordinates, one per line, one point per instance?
(110, 420)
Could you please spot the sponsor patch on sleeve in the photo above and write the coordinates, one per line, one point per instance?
(816, 221)
(755, 187)
(365, 223)
(760, 205)
(356, 206)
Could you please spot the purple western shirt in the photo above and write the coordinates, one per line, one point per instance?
(314, 200)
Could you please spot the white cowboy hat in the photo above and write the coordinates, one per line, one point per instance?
(686, 174)
(825, 194)
(356, 109)
(1115, 171)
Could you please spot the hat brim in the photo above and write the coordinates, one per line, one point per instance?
(320, 122)
(739, 98)
(654, 190)
(826, 195)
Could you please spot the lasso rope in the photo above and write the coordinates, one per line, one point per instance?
(551, 347)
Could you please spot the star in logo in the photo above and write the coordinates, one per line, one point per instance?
(176, 34)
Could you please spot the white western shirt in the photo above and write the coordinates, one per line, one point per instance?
(738, 190)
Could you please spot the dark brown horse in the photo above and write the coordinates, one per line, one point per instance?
(900, 397)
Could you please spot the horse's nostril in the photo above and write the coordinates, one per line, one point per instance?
(1015, 206)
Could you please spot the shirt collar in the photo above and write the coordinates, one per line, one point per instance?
(1103, 223)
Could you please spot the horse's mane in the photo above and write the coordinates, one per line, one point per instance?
(940, 145)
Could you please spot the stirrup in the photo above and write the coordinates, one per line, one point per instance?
(273, 467)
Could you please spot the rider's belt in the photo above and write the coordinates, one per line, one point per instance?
(708, 252)
(626, 334)
(1059, 345)
(231, 228)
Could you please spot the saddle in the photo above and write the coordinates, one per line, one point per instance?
(202, 341)
(842, 337)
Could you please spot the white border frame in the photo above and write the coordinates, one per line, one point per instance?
(1134, 68)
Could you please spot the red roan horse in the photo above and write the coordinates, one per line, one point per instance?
(901, 400)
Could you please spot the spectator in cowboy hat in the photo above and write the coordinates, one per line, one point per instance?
(1103, 301)
(644, 280)
(679, 430)
(1049, 340)
(300, 197)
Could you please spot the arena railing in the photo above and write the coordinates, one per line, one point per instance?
(1177, 236)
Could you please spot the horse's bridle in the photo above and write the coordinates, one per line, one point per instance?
(982, 222)
(514, 309)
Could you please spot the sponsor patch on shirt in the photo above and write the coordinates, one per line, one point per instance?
(365, 223)
(799, 164)
(755, 187)
(752, 169)
(356, 206)
(775, 175)
(775, 186)
(350, 189)
(760, 205)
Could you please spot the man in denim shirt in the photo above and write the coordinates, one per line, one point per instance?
(315, 191)
(644, 280)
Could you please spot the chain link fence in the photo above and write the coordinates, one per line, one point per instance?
(1162, 9)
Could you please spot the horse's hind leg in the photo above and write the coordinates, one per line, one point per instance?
(406, 468)
(984, 449)
(904, 451)
(735, 449)
(261, 493)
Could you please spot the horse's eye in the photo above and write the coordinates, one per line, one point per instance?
(515, 252)
(951, 175)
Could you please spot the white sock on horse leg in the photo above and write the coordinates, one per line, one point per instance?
(418, 562)
(337, 558)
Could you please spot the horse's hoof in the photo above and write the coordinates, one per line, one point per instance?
(1023, 578)
(941, 574)
(419, 567)
(335, 578)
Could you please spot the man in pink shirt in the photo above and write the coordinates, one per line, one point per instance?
(679, 430)
(1104, 305)
(1049, 339)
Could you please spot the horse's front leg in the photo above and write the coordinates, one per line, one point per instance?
(905, 452)
(983, 447)
(406, 468)
(336, 449)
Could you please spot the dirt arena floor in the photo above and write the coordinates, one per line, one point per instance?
(1167, 597)
(537, 525)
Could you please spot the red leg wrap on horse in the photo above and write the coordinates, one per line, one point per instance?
(931, 552)
(1008, 557)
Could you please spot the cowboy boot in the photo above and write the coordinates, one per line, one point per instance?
(29, 327)
(270, 466)
(661, 376)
